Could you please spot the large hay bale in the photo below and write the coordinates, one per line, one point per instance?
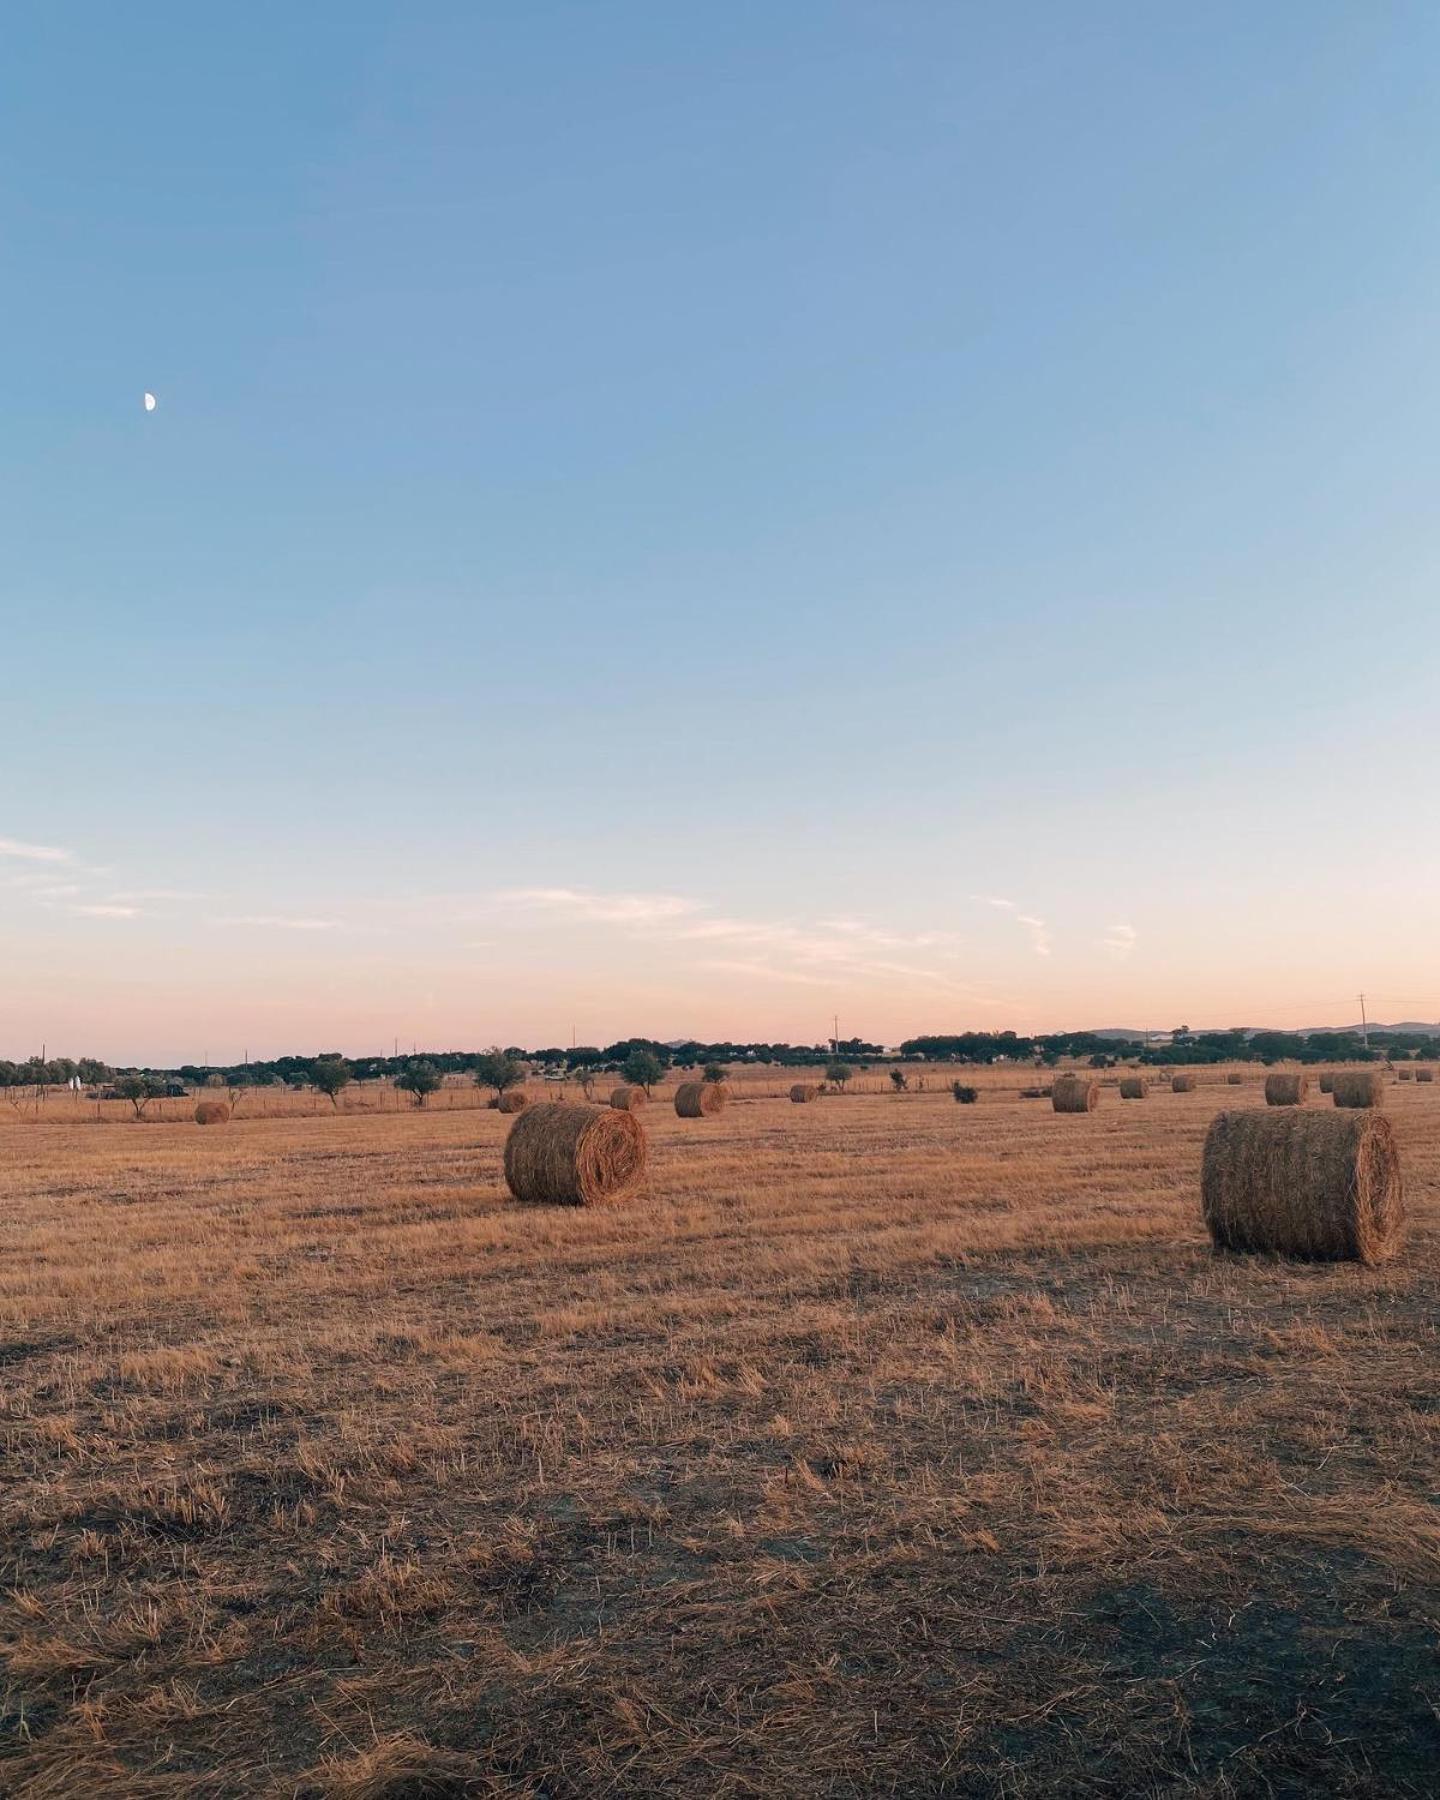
(513, 1100)
(1182, 1084)
(1132, 1087)
(803, 1092)
(626, 1099)
(1359, 1087)
(1286, 1090)
(1306, 1184)
(697, 1099)
(1233, 1080)
(573, 1155)
(1327, 1083)
(1404, 1074)
(1074, 1093)
(212, 1112)
(1424, 1074)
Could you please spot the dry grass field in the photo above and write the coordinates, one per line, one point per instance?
(884, 1446)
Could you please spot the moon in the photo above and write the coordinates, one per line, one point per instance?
(149, 403)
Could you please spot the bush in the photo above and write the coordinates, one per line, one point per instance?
(967, 1096)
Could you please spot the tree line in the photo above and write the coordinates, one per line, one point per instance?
(644, 1061)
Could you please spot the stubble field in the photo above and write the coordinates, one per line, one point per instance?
(883, 1445)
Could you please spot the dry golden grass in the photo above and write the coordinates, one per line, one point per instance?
(881, 1446)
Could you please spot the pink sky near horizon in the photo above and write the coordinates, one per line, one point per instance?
(160, 975)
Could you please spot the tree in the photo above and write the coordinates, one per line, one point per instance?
(420, 1080)
(331, 1074)
(898, 1080)
(642, 1068)
(92, 1072)
(838, 1074)
(499, 1070)
(139, 1090)
(713, 1071)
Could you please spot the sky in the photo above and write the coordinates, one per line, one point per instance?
(693, 521)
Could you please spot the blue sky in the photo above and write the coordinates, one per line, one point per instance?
(656, 517)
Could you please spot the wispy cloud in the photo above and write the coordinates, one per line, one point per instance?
(1038, 929)
(1120, 940)
(276, 922)
(764, 972)
(46, 853)
(158, 893)
(105, 911)
(823, 953)
(601, 909)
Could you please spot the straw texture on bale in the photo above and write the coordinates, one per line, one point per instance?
(1234, 1080)
(1182, 1084)
(1073, 1093)
(1132, 1087)
(803, 1092)
(626, 1099)
(1286, 1090)
(1424, 1074)
(212, 1112)
(573, 1155)
(1327, 1084)
(1306, 1184)
(513, 1100)
(1404, 1074)
(1359, 1087)
(695, 1099)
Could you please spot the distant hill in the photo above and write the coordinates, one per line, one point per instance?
(1416, 1027)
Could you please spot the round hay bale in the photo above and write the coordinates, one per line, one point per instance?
(1132, 1087)
(1182, 1084)
(1404, 1074)
(1327, 1083)
(804, 1092)
(1306, 1184)
(573, 1155)
(1074, 1093)
(513, 1100)
(1359, 1087)
(698, 1099)
(1286, 1090)
(1234, 1080)
(626, 1099)
(1424, 1074)
(212, 1112)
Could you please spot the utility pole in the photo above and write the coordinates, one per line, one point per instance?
(835, 1038)
(1364, 1027)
